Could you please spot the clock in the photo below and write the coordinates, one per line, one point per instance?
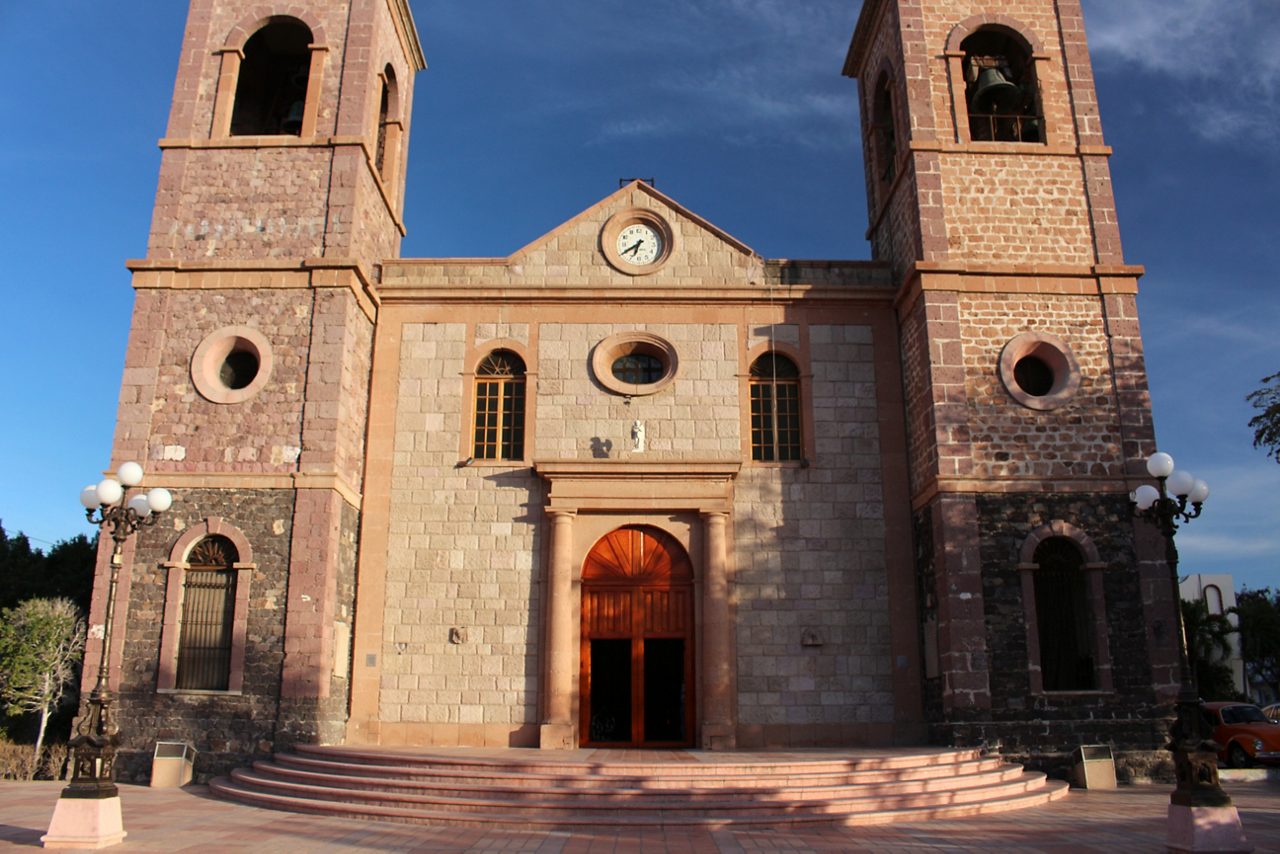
(636, 241)
(639, 244)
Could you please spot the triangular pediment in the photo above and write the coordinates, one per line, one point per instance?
(585, 252)
(693, 235)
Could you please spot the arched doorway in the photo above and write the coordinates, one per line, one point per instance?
(637, 641)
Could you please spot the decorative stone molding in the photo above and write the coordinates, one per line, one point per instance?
(231, 364)
(622, 344)
(1056, 374)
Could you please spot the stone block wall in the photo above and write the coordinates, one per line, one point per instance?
(1129, 716)
(810, 583)
(187, 433)
(226, 729)
(464, 552)
(1005, 439)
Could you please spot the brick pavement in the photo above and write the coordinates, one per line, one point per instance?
(1129, 819)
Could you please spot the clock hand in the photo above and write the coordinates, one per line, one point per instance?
(633, 249)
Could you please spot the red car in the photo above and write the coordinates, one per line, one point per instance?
(1244, 734)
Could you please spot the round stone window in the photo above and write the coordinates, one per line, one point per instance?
(634, 363)
(231, 365)
(1039, 371)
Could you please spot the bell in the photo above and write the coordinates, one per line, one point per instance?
(293, 121)
(994, 94)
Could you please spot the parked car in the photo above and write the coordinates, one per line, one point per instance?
(1273, 711)
(1244, 734)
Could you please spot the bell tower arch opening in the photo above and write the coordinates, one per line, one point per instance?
(271, 93)
(637, 656)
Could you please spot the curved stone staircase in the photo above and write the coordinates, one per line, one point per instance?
(612, 789)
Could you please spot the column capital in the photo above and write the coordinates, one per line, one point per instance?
(711, 515)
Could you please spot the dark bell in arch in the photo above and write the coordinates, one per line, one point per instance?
(994, 93)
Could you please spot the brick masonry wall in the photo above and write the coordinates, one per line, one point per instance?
(263, 434)
(203, 209)
(1014, 208)
(1129, 717)
(322, 720)
(337, 399)
(810, 561)
(307, 199)
(227, 730)
(1007, 439)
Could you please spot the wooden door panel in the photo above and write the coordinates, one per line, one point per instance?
(637, 584)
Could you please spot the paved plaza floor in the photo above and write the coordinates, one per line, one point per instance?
(1119, 821)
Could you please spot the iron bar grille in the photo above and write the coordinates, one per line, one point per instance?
(208, 615)
(1007, 127)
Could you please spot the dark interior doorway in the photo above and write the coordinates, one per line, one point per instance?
(637, 642)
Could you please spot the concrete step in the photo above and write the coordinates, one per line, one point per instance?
(776, 815)
(517, 787)
(658, 777)
(580, 789)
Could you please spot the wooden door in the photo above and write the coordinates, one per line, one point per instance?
(637, 641)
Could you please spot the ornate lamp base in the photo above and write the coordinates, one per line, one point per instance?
(85, 823)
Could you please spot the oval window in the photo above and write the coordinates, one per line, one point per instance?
(634, 363)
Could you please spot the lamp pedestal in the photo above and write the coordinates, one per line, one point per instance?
(85, 823)
(1205, 829)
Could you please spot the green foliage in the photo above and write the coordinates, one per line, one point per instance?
(1259, 615)
(41, 642)
(1208, 644)
(1266, 424)
(27, 573)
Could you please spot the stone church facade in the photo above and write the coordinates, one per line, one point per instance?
(635, 485)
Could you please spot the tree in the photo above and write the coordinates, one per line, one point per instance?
(1266, 425)
(1208, 644)
(41, 642)
(27, 573)
(1259, 615)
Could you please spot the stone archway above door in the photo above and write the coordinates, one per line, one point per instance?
(704, 487)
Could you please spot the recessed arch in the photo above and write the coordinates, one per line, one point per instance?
(239, 574)
(637, 641)
(1012, 26)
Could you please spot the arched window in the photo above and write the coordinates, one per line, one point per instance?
(1001, 90)
(775, 409)
(1064, 617)
(271, 93)
(499, 422)
(385, 152)
(884, 135)
(208, 616)
(1213, 599)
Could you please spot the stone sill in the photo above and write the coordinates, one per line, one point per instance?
(191, 692)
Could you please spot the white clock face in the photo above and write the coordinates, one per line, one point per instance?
(639, 244)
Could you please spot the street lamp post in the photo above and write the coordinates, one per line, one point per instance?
(1200, 811)
(91, 815)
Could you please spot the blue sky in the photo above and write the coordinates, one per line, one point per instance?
(532, 111)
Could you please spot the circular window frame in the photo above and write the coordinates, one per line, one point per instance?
(608, 351)
(631, 216)
(1056, 356)
(206, 363)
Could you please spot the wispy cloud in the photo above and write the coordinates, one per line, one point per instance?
(1223, 55)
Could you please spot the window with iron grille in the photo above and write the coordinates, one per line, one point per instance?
(1064, 617)
(775, 409)
(208, 614)
(500, 395)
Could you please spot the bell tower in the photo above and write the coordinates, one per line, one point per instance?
(246, 381)
(989, 196)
